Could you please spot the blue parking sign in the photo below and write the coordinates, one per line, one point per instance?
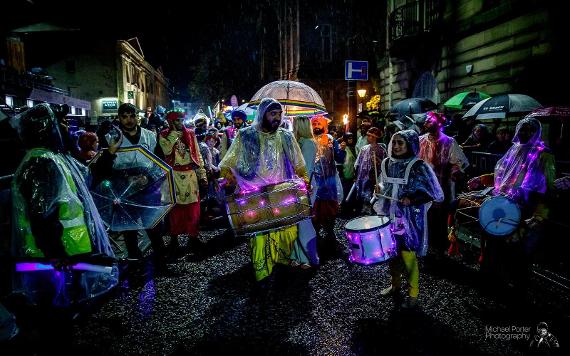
(355, 70)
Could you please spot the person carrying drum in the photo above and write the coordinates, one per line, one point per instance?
(264, 154)
(408, 185)
(367, 168)
(525, 175)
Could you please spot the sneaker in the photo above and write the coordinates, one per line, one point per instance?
(389, 291)
(294, 263)
(410, 302)
(305, 266)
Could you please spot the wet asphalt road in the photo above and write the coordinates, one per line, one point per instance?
(211, 305)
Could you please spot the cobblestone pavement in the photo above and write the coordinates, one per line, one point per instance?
(211, 305)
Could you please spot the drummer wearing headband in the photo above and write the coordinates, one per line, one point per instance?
(408, 185)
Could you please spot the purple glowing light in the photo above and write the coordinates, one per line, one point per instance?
(289, 200)
(262, 203)
(80, 266)
(32, 267)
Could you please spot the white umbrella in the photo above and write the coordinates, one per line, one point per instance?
(297, 98)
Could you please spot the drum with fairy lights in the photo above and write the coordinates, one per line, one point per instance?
(370, 240)
(268, 208)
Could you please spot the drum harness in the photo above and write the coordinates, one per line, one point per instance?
(397, 182)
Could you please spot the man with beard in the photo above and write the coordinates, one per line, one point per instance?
(182, 153)
(448, 161)
(134, 135)
(329, 191)
(260, 155)
(230, 132)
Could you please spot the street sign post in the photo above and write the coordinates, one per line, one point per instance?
(355, 70)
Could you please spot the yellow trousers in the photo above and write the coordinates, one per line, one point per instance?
(268, 249)
(408, 261)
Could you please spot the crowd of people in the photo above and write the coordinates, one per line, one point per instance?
(415, 177)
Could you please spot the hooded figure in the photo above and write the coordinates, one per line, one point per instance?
(55, 218)
(411, 185)
(527, 169)
(422, 187)
(264, 154)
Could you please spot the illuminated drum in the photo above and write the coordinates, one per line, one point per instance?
(269, 207)
(370, 240)
(499, 216)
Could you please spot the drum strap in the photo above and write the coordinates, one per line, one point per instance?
(396, 183)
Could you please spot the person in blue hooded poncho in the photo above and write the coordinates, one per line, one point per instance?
(408, 185)
(260, 155)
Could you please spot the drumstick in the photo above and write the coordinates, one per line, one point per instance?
(375, 170)
(386, 197)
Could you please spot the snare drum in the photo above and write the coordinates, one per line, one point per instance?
(499, 215)
(370, 240)
(269, 207)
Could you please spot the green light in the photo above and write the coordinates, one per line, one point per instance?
(107, 184)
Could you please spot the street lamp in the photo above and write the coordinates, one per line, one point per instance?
(345, 122)
(361, 95)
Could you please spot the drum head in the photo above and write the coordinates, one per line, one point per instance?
(499, 216)
(367, 223)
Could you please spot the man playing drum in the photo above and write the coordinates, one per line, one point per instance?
(408, 185)
(265, 154)
(525, 175)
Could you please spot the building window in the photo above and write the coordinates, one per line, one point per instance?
(10, 101)
(30, 103)
(326, 43)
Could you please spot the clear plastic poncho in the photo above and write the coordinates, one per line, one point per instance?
(51, 199)
(525, 168)
(409, 221)
(366, 173)
(325, 174)
(258, 158)
(444, 156)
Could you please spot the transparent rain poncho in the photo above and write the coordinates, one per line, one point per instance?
(444, 155)
(258, 158)
(408, 221)
(525, 168)
(366, 174)
(55, 220)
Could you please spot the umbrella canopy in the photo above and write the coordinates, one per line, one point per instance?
(551, 111)
(249, 111)
(297, 98)
(465, 100)
(413, 106)
(499, 106)
(139, 193)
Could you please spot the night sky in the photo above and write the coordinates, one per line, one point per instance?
(213, 37)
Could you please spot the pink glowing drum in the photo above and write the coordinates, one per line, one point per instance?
(370, 240)
(269, 207)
